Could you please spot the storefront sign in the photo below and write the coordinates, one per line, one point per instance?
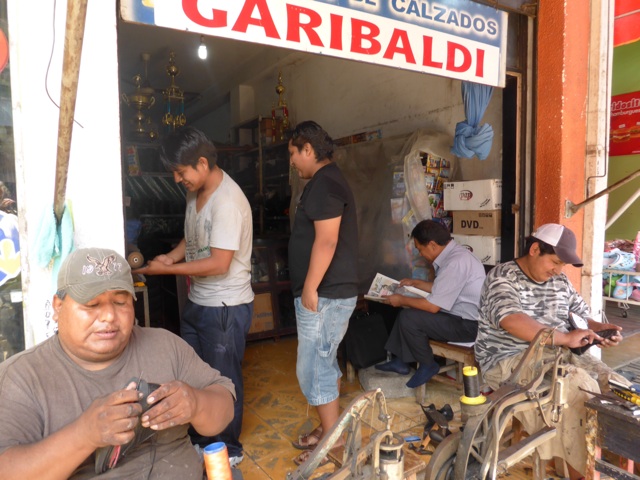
(626, 22)
(624, 136)
(452, 38)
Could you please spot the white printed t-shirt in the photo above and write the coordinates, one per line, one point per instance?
(224, 222)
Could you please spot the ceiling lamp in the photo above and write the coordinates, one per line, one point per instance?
(174, 116)
(280, 113)
(141, 100)
(202, 49)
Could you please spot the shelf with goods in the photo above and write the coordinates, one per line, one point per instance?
(154, 217)
(621, 284)
(273, 313)
(261, 169)
(155, 202)
(416, 194)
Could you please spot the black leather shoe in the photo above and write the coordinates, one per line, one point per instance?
(109, 456)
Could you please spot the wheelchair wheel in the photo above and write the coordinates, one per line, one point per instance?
(440, 466)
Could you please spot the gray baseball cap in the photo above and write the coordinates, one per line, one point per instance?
(562, 240)
(89, 272)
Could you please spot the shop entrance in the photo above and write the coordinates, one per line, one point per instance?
(371, 110)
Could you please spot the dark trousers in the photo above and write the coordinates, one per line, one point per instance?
(218, 335)
(410, 335)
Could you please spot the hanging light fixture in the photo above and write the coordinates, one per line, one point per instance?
(174, 116)
(141, 100)
(202, 49)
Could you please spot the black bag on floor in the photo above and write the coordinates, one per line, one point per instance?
(365, 339)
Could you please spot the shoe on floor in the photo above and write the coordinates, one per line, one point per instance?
(235, 460)
(423, 375)
(396, 366)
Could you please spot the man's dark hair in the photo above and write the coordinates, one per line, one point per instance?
(428, 230)
(184, 147)
(545, 248)
(312, 133)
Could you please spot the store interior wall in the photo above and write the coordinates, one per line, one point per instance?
(625, 79)
(348, 98)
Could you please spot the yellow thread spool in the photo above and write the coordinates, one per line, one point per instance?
(216, 462)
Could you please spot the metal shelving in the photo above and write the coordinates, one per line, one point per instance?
(623, 303)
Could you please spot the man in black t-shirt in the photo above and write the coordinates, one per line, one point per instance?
(323, 257)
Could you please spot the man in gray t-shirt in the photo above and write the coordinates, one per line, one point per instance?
(448, 314)
(70, 406)
(521, 297)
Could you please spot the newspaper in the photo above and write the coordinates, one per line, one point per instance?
(383, 285)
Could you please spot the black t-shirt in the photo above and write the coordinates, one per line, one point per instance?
(327, 195)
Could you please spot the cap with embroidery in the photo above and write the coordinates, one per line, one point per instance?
(562, 240)
(89, 272)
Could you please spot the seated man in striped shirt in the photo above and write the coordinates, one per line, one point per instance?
(449, 314)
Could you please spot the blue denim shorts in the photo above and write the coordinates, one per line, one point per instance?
(319, 335)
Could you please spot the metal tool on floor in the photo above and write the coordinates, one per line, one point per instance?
(381, 458)
(436, 429)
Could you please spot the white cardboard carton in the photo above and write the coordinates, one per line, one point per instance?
(473, 195)
(486, 249)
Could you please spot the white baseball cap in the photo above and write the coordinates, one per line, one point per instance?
(562, 240)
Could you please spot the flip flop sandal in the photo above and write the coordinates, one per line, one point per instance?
(619, 260)
(622, 292)
(303, 442)
(304, 456)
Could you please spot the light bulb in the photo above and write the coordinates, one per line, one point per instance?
(202, 49)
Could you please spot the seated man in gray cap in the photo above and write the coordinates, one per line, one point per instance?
(523, 296)
(82, 403)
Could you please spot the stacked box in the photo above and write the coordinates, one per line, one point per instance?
(476, 211)
(473, 195)
(477, 222)
(486, 249)
(262, 320)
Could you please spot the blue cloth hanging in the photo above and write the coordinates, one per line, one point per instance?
(470, 139)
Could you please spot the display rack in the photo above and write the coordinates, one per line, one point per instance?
(267, 186)
(623, 303)
(273, 312)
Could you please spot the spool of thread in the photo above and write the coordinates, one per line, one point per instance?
(472, 395)
(135, 259)
(216, 462)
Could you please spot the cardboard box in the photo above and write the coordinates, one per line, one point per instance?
(262, 320)
(473, 195)
(477, 222)
(486, 249)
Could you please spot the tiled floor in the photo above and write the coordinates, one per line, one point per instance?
(276, 412)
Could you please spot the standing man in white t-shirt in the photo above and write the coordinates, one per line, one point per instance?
(216, 249)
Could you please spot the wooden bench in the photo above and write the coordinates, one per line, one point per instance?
(461, 355)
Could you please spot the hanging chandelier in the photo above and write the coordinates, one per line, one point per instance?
(174, 116)
(141, 101)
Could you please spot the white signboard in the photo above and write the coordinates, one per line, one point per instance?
(453, 38)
